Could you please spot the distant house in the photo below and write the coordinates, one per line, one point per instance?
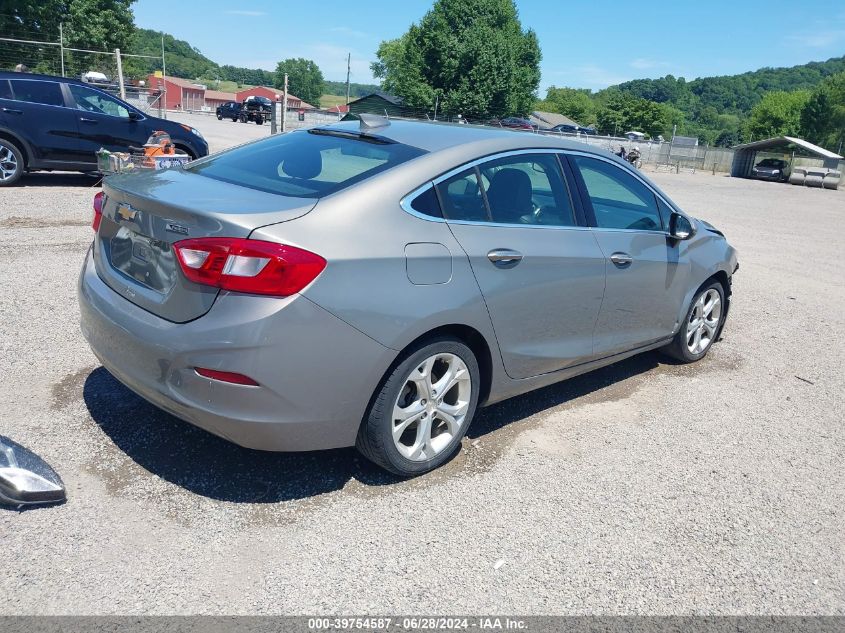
(545, 120)
(378, 103)
(338, 109)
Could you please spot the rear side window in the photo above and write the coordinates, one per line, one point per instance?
(619, 200)
(309, 164)
(33, 91)
(5, 89)
(527, 189)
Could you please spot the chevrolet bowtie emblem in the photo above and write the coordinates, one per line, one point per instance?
(126, 212)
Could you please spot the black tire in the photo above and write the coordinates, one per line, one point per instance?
(219, 117)
(679, 348)
(259, 121)
(375, 441)
(14, 166)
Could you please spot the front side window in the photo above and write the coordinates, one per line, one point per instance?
(97, 102)
(34, 91)
(5, 89)
(619, 200)
(305, 164)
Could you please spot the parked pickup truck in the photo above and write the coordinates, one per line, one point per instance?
(229, 110)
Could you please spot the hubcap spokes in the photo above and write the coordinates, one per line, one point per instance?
(8, 163)
(704, 321)
(432, 406)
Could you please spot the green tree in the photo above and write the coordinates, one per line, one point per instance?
(575, 103)
(777, 114)
(823, 116)
(305, 80)
(622, 112)
(471, 54)
(101, 25)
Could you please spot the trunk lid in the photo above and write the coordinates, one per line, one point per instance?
(145, 213)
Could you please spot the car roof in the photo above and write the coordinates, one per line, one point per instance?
(6, 74)
(436, 136)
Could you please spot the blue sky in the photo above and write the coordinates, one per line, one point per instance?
(584, 44)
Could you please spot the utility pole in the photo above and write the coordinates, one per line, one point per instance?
(120, 74)
(62, 48)
(285, 106)
(348, 68)
(163, 80)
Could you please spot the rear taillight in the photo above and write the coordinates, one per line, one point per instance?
(250, 266)
(98, 211)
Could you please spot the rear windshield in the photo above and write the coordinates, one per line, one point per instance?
(303, 164)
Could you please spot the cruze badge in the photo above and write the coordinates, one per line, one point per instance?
(176, 228)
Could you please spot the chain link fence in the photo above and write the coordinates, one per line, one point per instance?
(113, 71)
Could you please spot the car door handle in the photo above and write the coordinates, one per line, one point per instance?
(504, 257)
(621, 260)
(11, 111)
(87, 120)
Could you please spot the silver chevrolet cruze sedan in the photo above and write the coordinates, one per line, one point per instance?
(373, 283)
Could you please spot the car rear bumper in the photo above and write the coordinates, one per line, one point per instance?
(315, 372)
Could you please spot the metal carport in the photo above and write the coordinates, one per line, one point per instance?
(745, 155)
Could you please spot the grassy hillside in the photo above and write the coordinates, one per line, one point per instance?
(732, 94)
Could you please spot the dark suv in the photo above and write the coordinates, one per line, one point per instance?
(49, 123)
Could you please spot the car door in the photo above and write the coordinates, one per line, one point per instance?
(5, 100)
(104, 121)
(539, 269)
(39, 115)
(647, 273)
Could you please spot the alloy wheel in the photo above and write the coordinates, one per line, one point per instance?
(432, 407)
(8, 163)
(704, 321)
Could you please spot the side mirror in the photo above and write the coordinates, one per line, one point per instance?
(680, 227)
(134, 116)
(26, 479)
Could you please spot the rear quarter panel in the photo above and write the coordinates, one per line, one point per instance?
(363, 232)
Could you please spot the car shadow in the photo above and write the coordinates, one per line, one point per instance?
(58, 179)
(207, 465)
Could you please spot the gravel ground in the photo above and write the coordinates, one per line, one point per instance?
(645, 487)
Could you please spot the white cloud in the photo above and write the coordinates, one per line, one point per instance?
(585, 76)
(819, 39)
(643, 63)
(331, 59)
(252, 14)
(345, 30)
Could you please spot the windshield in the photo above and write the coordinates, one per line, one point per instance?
(771, 162)
(304, 164)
